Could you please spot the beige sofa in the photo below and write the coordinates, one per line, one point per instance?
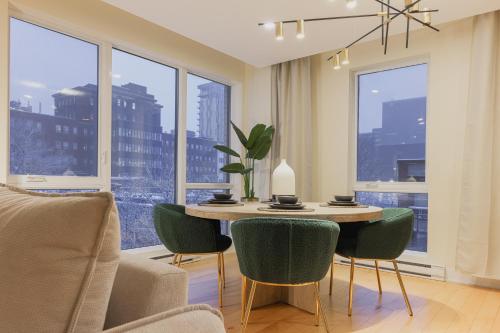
(61, 270)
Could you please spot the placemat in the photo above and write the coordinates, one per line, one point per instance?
(332, 206)
(220, 205)
(265, 209)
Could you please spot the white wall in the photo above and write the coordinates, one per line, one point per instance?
(448, 54)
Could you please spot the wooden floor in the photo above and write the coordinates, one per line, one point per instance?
(437, 306)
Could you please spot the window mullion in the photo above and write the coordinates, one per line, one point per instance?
(105, 119)
(181, 136)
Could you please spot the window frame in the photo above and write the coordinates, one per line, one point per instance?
(105, 46)
(60, 182)
(213, 186)
(389, 187)
(380, 186)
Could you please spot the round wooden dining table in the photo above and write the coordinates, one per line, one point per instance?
(314, 210)
(303, 296)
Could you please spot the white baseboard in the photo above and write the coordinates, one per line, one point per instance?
(407, 268)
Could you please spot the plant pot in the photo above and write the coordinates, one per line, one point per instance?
(245, 199)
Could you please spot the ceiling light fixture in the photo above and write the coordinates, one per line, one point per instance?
(336, 65)
(346, 60)
(278, 27)
(388, 13)
(300, 29)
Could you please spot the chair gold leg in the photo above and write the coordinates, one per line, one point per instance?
(249, 306)
(316, 313)
(223, 269)
(243, 296)
(331, 277)
(174, 259)
(378, 278)
(351, 286)
(219, 278)
(407, 301)
(320, 306)
(179, 260)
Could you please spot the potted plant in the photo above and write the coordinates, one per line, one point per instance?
(256, 147)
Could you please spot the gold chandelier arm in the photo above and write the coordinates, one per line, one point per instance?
(407, 13)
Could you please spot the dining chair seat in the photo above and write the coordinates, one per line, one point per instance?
(183, 234)
(283, 252)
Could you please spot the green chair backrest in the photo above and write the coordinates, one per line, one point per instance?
(181, 233)
(387, 238)
(284, 250)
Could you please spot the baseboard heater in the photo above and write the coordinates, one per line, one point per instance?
(405, 267)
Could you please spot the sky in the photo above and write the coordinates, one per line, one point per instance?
(44, 62)
(379, 87)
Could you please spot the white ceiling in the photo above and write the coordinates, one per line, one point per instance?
(230, 26)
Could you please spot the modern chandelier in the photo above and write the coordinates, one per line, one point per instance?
(387, 14)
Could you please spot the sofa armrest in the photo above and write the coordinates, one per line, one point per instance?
(145, 287)
(189, 319)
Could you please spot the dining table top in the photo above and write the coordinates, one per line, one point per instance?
(314, 210)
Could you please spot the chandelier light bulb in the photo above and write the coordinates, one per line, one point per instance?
(336, 65)
(300, 29)
(427, 16)
(278, 27)
(351, 4)
(346, 60)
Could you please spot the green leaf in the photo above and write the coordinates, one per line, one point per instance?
(240, 134)
(255, 134)
(227, 150)
(233, 168)
(263, 144)
(263, 148)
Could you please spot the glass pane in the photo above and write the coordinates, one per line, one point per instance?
(416, 201)
(53, 103)
(143, 143)
(196, 196)
(392, 125)
(207, 125)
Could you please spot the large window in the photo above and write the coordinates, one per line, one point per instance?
(144, 141)
(207, 125)
(391, 143)
(392, 124)
(85, 116)
(53, 103)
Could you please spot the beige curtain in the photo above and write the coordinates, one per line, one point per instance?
(478, 246)
(291, 116)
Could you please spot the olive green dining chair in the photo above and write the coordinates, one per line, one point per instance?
(383, 240)
(187, 235)
(283, 252)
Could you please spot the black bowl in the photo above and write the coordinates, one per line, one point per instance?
(344, 198)
(222, 196)
(288, 199)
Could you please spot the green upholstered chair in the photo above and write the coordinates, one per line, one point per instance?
(377, 240)
(183, 234)
(284, 252)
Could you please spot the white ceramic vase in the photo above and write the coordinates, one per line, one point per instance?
(283, 180)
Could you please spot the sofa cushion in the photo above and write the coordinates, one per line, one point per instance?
(196, 318)
(58, 259)
(153, 286)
